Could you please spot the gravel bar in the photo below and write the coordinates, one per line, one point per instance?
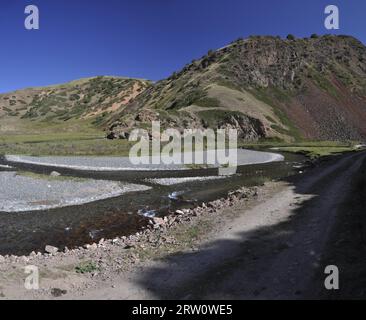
(21, 193)
(244, 157)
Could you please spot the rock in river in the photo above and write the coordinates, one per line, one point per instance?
(51, 249)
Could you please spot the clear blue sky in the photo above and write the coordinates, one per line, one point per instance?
(145, 38)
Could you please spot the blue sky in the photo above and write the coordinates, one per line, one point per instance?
(145, 38)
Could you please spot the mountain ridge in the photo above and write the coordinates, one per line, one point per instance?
(263, 86)
(312, 88)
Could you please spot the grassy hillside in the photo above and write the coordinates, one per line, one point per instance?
(79, 106)
(273, 91)
(266, 87)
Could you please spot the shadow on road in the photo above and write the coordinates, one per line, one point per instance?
(285, 260)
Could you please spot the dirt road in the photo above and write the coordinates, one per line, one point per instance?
(275, 250)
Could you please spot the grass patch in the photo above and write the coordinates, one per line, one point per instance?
(213, 117)
(317, 152)
(38, 138)
(265, 95)
(279, 129)
(68, 147)
(86, 267)
(312, 149)
(208, 103)
(323, 82)
(189, 234)
(308, 143)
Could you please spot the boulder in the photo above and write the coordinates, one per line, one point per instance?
(158, 221)
(51, 249)
(124, 135)
(111, 136)
(116, 134)
(93, 246)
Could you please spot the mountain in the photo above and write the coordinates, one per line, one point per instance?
(89, 99)
(266, 87)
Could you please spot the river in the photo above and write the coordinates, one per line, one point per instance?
(72, 226)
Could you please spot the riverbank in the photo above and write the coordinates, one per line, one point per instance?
(260, 242)
(76, 271)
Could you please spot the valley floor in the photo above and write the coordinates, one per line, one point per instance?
(273, 246)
